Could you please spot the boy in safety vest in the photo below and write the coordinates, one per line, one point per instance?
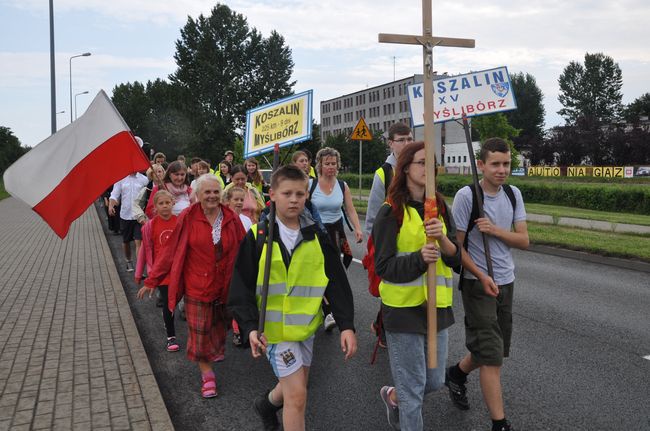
(305, 267)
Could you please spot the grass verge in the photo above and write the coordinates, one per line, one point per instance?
(597, 242)
(612, 217)
(3, 192)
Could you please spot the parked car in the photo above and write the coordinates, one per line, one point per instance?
(643, 171)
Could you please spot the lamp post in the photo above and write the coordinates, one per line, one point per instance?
(75, 102)
(85, 54)
(52, 79)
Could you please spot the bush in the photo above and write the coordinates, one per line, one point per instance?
(614, 197)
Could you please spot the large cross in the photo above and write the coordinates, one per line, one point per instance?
(428, 42)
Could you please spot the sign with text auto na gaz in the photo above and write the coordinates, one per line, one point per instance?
(477, 93)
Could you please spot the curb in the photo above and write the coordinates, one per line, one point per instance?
(157, 413)
(634, 265)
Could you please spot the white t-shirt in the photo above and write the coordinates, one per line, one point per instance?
(245, 221)
(288, 236)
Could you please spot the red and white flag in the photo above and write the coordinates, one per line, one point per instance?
(60, 177)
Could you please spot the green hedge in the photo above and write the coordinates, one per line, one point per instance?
(614, 197)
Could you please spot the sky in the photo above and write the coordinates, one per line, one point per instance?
(334, 45)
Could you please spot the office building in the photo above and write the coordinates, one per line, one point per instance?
(381, 106)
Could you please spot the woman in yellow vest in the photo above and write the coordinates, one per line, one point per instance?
(401, 258)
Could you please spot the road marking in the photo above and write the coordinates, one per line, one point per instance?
(647, 357)
(355, 260)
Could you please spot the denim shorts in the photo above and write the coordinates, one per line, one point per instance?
(488, 322)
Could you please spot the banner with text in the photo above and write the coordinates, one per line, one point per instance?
(588, 171)
(286, 121)
(477, 93)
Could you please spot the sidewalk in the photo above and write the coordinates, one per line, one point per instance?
(72, 357)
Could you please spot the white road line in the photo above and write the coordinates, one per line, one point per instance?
(355, 260)
(647, 357)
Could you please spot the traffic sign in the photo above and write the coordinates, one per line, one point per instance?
(361, 131)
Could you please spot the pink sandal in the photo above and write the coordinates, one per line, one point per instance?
(209, 388)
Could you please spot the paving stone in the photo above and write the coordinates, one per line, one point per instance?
(42, 422)
(65, 344)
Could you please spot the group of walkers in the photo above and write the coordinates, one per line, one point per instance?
(205, 243)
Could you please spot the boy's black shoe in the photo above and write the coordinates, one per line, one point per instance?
(457, 392)
(267, 412)
(503, 426)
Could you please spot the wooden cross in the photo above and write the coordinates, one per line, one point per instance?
(428, 42)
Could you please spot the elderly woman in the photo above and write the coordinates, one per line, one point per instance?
(199, 260)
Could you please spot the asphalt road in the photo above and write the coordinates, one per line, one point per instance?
(577, 362)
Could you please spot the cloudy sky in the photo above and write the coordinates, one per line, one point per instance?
(334, 45)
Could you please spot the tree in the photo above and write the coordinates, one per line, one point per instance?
(497, 126)
(168, 127)
(225, 68)
(591, 93)
(132, 102)
(529, 115)
(374, 152)
(10, 149)
(637, 109)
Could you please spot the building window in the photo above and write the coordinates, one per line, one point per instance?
(464, 159)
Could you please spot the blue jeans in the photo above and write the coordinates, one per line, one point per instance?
(408, 365)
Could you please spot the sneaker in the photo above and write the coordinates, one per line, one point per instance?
(506, 427)
(329, 322)
(129, 266)
(392, 412)
(236, 339)
(457, 392)
(267, 412)
(172, 345)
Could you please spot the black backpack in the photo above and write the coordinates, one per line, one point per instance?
(475, 214)
(388, 176)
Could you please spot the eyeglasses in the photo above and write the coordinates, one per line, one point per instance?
(402, 140)
(420, 162)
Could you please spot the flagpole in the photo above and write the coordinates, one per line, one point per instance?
(477, 194)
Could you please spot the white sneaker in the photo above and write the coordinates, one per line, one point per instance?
(329, 322)
(129, 266)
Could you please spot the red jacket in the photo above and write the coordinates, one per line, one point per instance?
(207, 276)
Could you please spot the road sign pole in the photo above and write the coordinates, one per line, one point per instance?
(360, 164)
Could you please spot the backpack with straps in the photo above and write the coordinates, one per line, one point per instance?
(314, 184)
(475, 214)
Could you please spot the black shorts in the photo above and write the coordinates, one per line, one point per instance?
(488, 322)
(131, 230)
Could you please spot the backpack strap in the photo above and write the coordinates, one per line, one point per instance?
(388, 176)
(345, 216)
(314, 184)
(261, 239)
(511, 196)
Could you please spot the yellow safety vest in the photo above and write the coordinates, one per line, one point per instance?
(380, 172)
(293, 308)
(410, 239)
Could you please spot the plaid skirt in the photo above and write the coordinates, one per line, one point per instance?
(206, 330)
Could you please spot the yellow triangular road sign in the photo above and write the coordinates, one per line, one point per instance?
(361, 131)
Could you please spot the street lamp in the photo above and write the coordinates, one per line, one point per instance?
(85, 54)
(75, 102)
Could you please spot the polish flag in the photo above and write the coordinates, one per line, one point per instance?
(60, 177)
